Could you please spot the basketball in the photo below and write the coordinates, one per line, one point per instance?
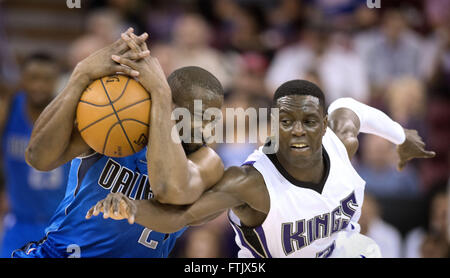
(113, 116)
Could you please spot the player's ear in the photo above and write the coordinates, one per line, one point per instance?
(325, 124)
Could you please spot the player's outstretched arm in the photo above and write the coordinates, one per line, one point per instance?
(237, 187)
(348, 117)
(55, 138)
(175, 178)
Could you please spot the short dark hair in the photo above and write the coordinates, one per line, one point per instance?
(299, 87)
(39, 56)
(183, 80)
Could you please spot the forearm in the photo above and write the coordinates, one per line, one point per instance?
(171, 218)
(165, 218)
(53, 129)
(160, 217)
(167, 161)
(371, 120)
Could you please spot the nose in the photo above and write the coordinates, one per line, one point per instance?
(297, 129)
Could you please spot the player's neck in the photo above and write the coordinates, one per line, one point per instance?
(311, 171)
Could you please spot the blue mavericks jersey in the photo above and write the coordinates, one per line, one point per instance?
(33, 195)
(91, 179)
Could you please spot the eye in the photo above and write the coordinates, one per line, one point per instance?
(310, 122)
(286, 122)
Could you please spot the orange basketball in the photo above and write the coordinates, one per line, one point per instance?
(113, 116)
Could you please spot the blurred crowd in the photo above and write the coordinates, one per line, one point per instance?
(395, 58)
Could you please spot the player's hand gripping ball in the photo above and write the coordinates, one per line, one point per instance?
(113, 116)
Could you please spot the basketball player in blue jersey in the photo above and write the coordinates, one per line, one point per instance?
(33, 195)
(171, 172)
(305, 199)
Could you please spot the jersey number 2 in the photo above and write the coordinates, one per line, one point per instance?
(144, 239)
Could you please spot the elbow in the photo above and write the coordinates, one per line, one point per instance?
(161, 197)
(173, 196)
(32, 159)
(174, 191)
(30, 156)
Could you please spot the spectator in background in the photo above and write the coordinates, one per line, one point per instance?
(438, 112)
(432, 241)
(406, 101)
(247, 29)
(250, 74)
(331, 56)
(342, 70)
(214, 239)
(377, 168)
(9, 72)
(385, 235)
(105, 24)
(297, 60)
(160, 18)
(437, 13)
(9, 76)
(78, 50)
(190, 47)
(396, 54)
(239, 26)
(284, 19)
(367, 32)
(33, 195)
(83, 47)
(233, 154)
(202, 243)
(130, 13)
(163, 52)
(248, 90)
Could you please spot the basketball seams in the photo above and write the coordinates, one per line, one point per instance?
(115, 112)
(93, 104)
(107, 135)
(134, 120)
(110, 101)
(110, 114)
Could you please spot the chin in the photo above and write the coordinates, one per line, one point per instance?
(304, 158)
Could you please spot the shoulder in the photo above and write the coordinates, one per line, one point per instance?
(244, 172)
(345, 125)
(240, 180)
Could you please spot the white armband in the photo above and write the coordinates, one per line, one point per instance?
(372, 120)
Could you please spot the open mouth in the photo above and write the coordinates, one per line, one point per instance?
(299, 146)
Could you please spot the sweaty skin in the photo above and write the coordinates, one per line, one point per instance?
(56, 140)
(180, 178)
(242, 189)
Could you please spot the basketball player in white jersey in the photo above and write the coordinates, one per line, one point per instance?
(302, 201)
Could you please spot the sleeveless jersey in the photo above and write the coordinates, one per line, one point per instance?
(301, 221)
(91, 179)
(33, 195)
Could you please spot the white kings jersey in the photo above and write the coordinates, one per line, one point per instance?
(301, 221)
